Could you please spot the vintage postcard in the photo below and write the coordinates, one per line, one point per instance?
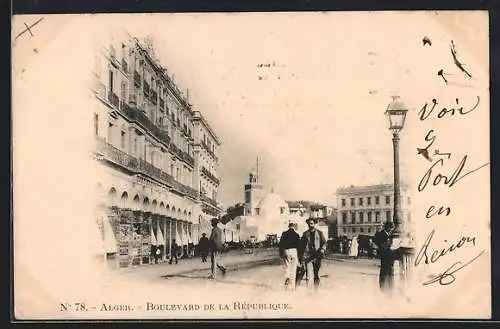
(251, 165)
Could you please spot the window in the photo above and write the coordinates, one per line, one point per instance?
(352, 202)
(369, 230)
(122, 139)
(172, 170)
(360, 201)
(387, 199)
(123, 92)
(345, 230)
(344, 218)
(353, 230)
(238, 227)
(361, 217)
(377, 216)
(361, 230)
(353, 217)
(111, 80)
(369, 217)
(388, 215)
(135, 146)
(377, 200)
(369, 200)
(96, 124)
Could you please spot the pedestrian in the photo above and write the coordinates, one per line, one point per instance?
(383, 241)
(288, 246)
(173, 253)
(216, 246)
(204, 247)
(157, 254)
(313, 246)
(354, 250)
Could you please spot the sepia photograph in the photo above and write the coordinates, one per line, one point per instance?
(251, 165)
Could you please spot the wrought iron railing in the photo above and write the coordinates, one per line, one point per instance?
(209, 150)
(211, 176)
(113, 98)
(135, 115)
(208, 200)
(133, 164)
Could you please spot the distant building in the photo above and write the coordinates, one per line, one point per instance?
(364, 209)
(308, 209)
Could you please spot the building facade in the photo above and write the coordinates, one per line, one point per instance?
(364, 209)
(159, 176)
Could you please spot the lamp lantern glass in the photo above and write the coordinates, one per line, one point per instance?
(396, 115)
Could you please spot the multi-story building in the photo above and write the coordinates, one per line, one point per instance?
(159, 165)
(364, 209)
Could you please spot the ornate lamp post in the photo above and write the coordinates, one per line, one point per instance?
(396, 114)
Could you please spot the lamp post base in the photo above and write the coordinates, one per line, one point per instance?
(403, 262)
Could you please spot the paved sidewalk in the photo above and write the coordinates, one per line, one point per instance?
(232, 260)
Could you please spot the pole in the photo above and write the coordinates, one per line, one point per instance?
(397, 192)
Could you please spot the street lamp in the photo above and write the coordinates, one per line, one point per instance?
(396, 115)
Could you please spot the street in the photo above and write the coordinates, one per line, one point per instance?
(349, 287)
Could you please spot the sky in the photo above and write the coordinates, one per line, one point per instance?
(306, 93)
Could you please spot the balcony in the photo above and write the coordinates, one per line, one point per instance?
(137, 79)
(135, 165)
(189, 159)
(207, 173)
(208, 200)
(113, 98)
(209, 150)
(134, 114)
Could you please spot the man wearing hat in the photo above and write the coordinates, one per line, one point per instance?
(216, 246)
(288, 246)
(313, 250)
(383, 241)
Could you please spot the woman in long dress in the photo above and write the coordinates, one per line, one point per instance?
(353, 252)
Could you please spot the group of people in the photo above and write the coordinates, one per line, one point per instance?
(302, 255)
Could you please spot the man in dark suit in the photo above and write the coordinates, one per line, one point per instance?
(313, 250)
(288, 247)
(174, 251)
(383, 241)
(216, 246)
(204, 247)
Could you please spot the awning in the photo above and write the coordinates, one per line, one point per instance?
(189, 237)
(153, 238)
(109, 237)
(178, 238)
(159, 237)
